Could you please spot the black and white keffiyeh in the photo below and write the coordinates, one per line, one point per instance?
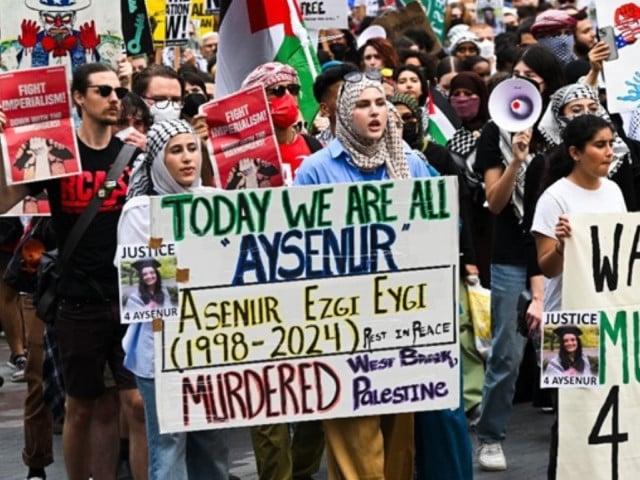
(553, 122)
(367, 154)
(517, 197)
(151, 176)
(463, 142)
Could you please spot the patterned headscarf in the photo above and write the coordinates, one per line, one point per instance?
(367, 154)
(151, 176)
(553, 122)
(271, 73)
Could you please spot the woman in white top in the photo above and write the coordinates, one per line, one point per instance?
(582, 186)
(171, 165)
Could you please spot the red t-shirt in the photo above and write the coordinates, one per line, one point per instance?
(293, 154)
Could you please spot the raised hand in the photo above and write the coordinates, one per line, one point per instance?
(89, 39)
(29, 33)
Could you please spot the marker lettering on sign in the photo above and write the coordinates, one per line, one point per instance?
(271, 392)
(312, 8)
(218, 215)
(429, 200)
(308, 216)
(315, 254)
(402, 298)
(367, 203)
(365, 395)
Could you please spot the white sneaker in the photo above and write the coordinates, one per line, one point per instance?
(491, 457)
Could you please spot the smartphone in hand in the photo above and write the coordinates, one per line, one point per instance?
(608, 36)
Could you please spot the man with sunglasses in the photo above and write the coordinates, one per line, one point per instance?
(87, 324)
(283, 87)
(368, 147)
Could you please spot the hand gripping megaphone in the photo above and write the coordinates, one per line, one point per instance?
(515, 104)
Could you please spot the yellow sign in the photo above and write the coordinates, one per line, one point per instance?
(202, 22)
(157, 11)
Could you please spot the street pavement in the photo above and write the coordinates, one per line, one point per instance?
(526, 447)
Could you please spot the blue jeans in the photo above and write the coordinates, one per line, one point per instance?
(507, 348)
(181, 456)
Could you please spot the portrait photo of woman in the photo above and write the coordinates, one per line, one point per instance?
(570, 359)
(150, 293)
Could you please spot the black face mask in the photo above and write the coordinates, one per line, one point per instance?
(191, 103)
(410, 134)
(338, 50)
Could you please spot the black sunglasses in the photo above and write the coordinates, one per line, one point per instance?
(105, 90)
(355, 77)
(280, 90)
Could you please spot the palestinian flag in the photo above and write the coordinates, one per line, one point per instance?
(443, 120)
(253, 32)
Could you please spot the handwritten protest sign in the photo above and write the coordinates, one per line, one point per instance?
(39, 140)
(309, 302)
(319, 14)
(619, 26)
(599, 436)
(37, 33)
(241, 137)
(148, 287)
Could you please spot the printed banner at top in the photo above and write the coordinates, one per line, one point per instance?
(39, 140)
(202, 20)
(177, 22)
(37, 33)
(599, 436)
(157, 11)
(619, 27)
(244, 146)
(325, 301)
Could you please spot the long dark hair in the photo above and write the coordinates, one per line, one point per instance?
(145, 295)
(565, 359)
(578, 132)
(424, 87)
(542, 61)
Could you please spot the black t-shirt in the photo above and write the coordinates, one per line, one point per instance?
(508, 233)
(92, 260)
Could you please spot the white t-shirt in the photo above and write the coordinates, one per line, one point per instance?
(565, 196)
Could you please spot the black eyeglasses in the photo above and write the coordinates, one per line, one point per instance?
(164, 102)
(280, 90)
(355, 77)
(105, 90)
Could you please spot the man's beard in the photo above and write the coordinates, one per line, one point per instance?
(581, 49)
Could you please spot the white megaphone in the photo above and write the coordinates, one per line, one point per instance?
(515, 104)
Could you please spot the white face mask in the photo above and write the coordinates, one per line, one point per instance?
(164, 114)
(487, 48)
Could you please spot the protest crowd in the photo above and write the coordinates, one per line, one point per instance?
(377, 100)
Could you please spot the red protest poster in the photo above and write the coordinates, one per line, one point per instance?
(241, 136)
(39, 141)
(37, 206)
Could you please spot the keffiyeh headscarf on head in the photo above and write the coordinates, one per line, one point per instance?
(271, 73)
(368, 154)
(553, 122)
(151, 176)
